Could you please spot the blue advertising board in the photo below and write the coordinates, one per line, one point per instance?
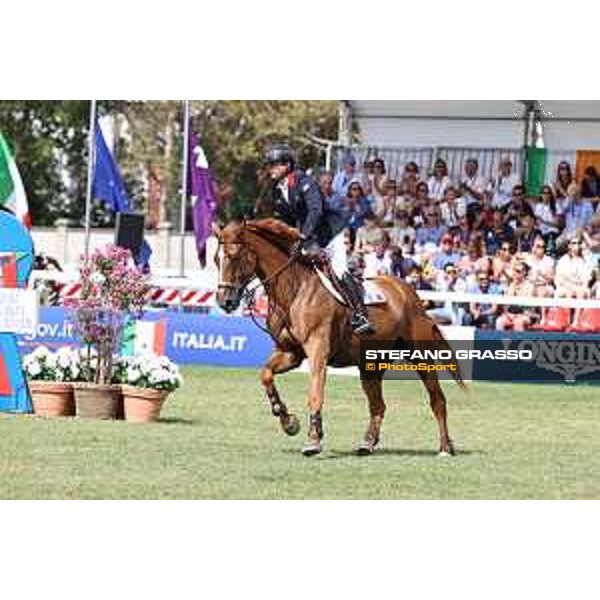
(216, 340)
(190, 338)
(234, 341)
(555, 357)
(53, 331)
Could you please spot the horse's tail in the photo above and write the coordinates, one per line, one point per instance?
(443, 344)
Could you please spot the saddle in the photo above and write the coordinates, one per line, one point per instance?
(372, 293)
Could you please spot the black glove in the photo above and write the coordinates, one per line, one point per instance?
(305, 248)
(311, 249)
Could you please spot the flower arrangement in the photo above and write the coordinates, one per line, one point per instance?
(113, 289)
(44, 365)
(148, 371)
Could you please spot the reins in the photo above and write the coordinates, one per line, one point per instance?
(249, 294)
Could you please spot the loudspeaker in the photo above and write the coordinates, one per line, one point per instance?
(129, 231)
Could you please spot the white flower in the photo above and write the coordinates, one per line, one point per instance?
(133, 375)
(97, 278)
(40, 352)
(160, 376)
(145, 365)
(34, 369)
(64, 358)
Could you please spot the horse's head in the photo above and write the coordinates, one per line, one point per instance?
(236, 263)
(249, 249)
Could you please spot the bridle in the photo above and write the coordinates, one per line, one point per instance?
(249, 294)
(237, 286)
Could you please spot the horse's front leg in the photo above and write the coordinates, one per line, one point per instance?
(317, 360)
(280, 362)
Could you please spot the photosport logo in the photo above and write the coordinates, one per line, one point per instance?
(523, 359)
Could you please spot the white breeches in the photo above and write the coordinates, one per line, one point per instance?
(336, 252)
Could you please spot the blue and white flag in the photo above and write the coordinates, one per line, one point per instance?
(108, 186)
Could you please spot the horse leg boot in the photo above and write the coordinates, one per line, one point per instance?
(280, 362)
(318, 373)
(353, 294)
(374, 391)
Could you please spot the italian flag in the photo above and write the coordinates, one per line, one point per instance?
(143, 337)
(12, 192)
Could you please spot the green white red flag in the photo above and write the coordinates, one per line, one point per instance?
(12, 192)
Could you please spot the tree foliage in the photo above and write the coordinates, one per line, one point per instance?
(49, 140)
(236, 134)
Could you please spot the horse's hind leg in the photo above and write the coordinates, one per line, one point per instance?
(280, 362)
(316, 352)
(437, 401)
(374, 391)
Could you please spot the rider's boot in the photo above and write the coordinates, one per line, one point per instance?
(354, 295)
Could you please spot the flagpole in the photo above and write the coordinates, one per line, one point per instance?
(90, 176)
(184, 181)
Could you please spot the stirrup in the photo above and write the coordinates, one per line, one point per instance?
(361, 325)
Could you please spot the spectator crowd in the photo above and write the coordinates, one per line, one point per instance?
(472, 234)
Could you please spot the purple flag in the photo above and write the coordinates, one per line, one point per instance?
(202, 191)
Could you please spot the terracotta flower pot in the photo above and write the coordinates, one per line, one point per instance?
(142, 405)
(52, 398)
(96, 401)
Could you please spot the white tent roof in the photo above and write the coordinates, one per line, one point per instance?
(437, 109)
(568, 124)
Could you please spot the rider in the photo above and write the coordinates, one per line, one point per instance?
(298, 201)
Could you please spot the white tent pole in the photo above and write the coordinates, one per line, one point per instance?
(90, 176)
(184, 180)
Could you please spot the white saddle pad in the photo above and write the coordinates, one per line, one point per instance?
(372, 293)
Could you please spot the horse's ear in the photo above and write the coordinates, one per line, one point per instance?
(216, 229)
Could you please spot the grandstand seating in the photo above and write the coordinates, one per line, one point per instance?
(588, 321)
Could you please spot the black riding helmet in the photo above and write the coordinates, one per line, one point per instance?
(280, 154)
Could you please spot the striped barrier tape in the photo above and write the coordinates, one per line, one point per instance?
(156, 295)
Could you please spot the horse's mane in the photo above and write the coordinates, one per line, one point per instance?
(274, 231)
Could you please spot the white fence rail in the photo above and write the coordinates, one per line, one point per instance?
(186, 287)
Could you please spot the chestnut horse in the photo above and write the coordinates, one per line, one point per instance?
(306, 321)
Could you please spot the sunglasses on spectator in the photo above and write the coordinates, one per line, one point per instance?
(520, 271)
(540, 246)
(505, 248)
(575, 243)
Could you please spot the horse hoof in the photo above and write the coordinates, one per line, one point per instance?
(291, 425)
(311, 448)
(366, 448)
(444, 454)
